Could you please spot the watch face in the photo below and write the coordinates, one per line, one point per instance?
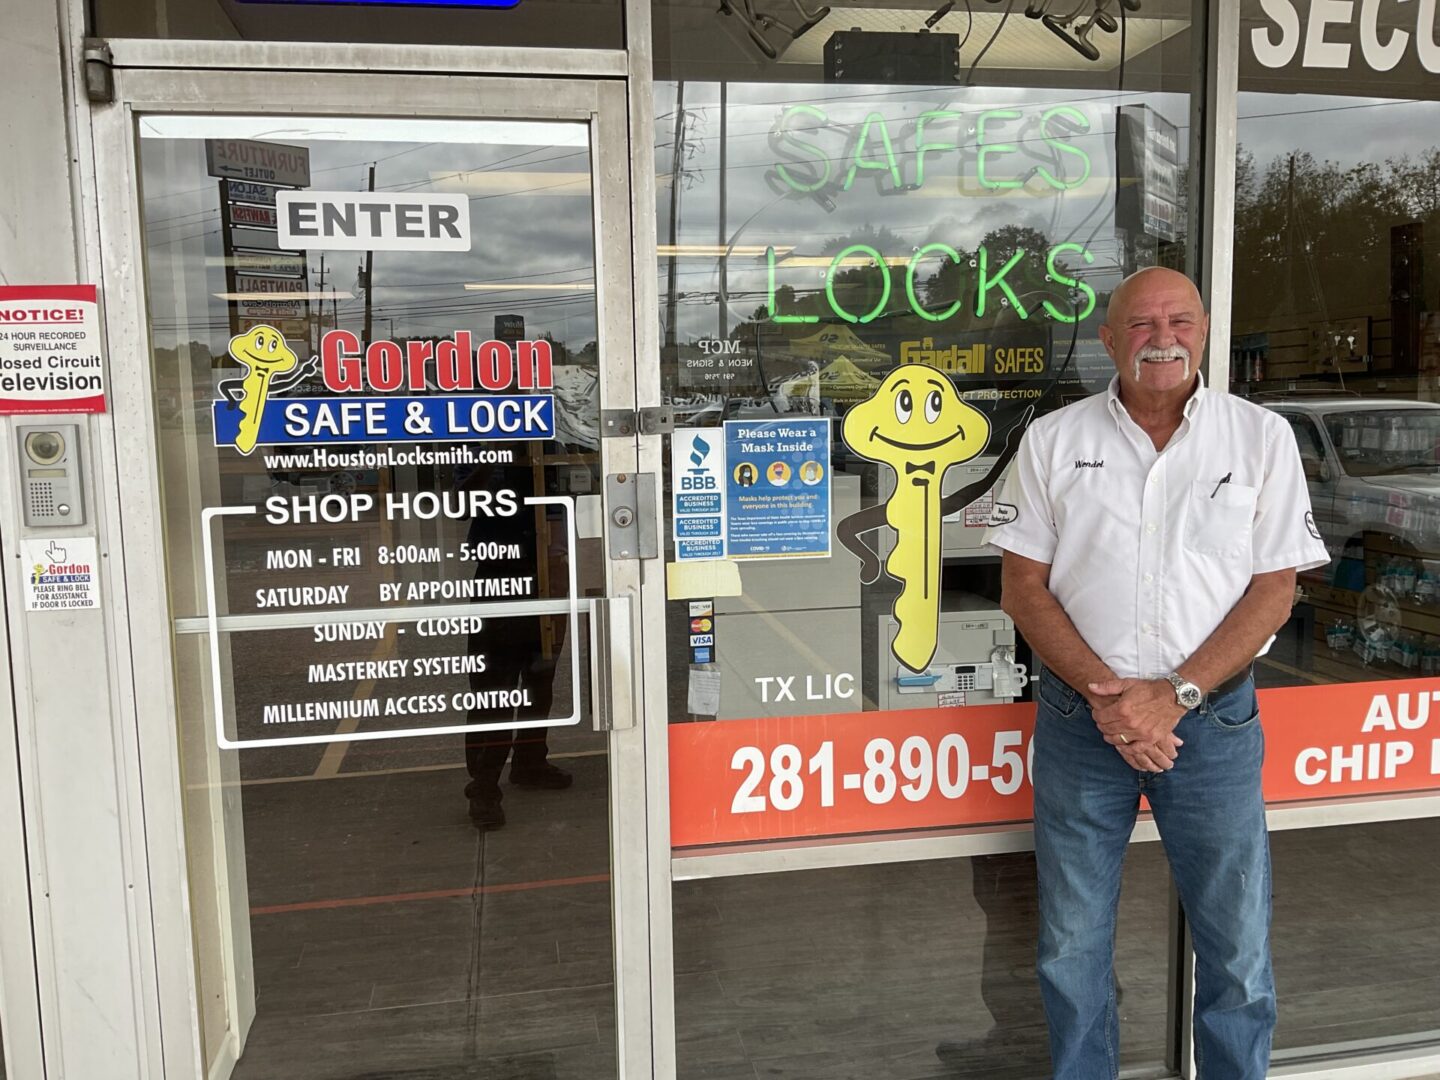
(1190, 696)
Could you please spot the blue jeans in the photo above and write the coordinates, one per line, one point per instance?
(1211, 817)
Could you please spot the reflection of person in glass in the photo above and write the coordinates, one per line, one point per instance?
(515, 658)
(745, 474)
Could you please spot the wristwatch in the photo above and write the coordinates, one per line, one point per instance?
(1186, 693)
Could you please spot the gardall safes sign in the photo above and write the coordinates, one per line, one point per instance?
(455, 390)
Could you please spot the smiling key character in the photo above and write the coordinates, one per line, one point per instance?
(264, 353)
(917, 424)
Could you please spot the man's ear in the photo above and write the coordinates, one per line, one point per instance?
(1107, 338)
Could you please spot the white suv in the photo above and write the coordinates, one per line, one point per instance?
(1372, 465)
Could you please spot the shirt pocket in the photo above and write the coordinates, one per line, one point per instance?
(1220, 519)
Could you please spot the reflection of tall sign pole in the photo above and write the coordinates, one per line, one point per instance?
(227, 246)
(369, 273)
(669, 350)
(723, 305)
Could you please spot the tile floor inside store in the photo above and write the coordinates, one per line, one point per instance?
(391, 940)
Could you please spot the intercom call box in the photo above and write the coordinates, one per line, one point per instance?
(49, 458)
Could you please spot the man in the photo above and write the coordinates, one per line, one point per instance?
(1151, 538)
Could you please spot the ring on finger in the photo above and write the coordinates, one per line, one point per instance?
(1124, 740)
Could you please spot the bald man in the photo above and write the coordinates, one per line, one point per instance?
(1151, 556)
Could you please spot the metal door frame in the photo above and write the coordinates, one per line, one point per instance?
(191, 79)
(20, 1045)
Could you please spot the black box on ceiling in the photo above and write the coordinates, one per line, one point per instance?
(882, 56)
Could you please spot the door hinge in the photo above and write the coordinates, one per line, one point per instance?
(633, 525)
(99, 71)
(651, 420)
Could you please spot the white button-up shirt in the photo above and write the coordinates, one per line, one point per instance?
(1149, 550)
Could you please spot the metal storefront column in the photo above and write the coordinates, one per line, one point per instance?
(650, 654)
(88, 1007)
(1211, 194)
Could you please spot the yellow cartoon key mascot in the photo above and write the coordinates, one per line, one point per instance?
(263, 351)
(917, 424)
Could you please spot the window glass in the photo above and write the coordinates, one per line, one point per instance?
(358, 488)
(849, 202)
(1377, 977)
(1337, 327)
(849, 199)
(909, 970)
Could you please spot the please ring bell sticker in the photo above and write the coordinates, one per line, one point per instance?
(61, 573)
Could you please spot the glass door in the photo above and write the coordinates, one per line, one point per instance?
(377, 322)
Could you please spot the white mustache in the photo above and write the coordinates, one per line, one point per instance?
(1174, 352)
(1151, 352)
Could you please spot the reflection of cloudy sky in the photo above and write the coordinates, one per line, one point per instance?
(949, 208)
(531, 215)
(1349, 130)
(530, 219)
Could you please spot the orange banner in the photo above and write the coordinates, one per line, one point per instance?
(1346, 739)
(734, 781)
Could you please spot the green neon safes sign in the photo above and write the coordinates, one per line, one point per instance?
(989, 280)
(872, 149)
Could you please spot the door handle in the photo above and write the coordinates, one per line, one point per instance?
(612, 683)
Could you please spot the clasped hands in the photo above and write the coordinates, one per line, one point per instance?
(1138, 718)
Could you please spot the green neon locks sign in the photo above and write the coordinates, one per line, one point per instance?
(988, 283)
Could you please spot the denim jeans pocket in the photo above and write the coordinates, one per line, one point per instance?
(1234, 711)
(1057, 697)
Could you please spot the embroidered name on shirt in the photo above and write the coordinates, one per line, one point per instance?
(1090, 464)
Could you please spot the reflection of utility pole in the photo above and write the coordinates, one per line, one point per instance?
(391, 320)
(369, 272)
(668, 352)
(723, 306)
(319, 319)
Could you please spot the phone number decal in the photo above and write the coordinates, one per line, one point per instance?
(828, 775)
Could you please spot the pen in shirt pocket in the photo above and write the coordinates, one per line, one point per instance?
(1223, 480)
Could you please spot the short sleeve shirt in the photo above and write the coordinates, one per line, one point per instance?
(1149, 550)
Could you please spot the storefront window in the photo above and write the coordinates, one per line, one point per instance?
(1337, 329)
(839, 209)
(848, 200)
(1337, 263)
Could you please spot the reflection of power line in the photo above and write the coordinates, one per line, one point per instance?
(1333, 108)
(406, 185)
